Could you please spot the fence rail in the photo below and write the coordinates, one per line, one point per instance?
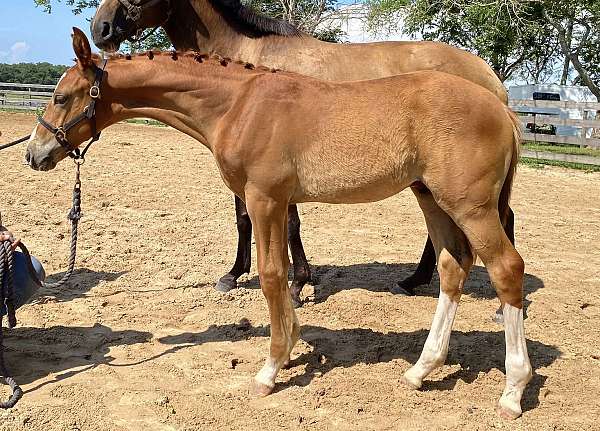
(583, 125)
(25, 96)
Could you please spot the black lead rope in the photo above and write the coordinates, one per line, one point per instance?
(13, 143)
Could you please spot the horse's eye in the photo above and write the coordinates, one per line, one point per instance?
(60, 99)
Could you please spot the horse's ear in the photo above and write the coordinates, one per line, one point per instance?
(81, 46)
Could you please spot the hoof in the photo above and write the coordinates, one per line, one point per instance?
(226, 283)
(399, 289)
(296, 302)
(260, 389)
(507, 413)
(410, 382)
(295, 290)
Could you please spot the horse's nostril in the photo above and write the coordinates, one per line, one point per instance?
(106, 30)
(28, 157)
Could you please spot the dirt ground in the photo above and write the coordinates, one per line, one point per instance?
(140, 340)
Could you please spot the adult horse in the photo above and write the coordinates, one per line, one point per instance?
(281, 138)
(232, 30)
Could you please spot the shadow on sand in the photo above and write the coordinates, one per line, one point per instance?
(82, 281)
(476, 351)
(35, 353)
(380, 277)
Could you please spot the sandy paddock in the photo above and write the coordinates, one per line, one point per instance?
(141, 341)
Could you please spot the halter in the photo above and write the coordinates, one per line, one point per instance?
(89, 113)
(134, 12)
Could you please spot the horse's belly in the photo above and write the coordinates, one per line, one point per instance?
(347, 187)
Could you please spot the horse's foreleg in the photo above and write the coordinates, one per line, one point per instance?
(301, 268)
(269, 217)
(244, 249)
(454, 262)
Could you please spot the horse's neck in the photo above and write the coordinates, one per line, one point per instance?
(194, 24)
(182, 93)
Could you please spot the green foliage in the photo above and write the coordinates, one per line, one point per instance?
(31, 73)
(157, 40)
(528, 37)
(77, 5)
(495, 31)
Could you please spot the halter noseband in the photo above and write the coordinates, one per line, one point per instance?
(89, 113)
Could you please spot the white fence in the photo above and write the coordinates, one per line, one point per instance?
(25, 96)
(584, 139)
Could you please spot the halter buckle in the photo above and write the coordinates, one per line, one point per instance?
(60, 135)
(95, 92)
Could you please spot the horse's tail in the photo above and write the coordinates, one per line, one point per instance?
(504, 199)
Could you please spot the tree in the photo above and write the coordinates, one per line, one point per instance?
(529, 37)
(494, 30)
(27, 73)
(577, 25)
(77, 5)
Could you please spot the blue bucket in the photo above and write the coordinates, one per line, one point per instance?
(24, 285)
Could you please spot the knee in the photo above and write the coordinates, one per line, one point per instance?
(272, 277)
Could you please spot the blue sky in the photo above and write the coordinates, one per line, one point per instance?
(28, 34)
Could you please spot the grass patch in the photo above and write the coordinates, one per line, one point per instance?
(146, 121)
(19, 111)
(562, 149)
(539, 164)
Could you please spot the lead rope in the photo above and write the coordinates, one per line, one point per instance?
(7, 280)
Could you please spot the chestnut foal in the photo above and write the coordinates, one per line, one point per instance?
(281, 138)
(233, 30)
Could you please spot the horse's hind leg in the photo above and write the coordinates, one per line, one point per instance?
(454, 262)
(301, 268)
(244, 249)
(506, 269)
(509, 228)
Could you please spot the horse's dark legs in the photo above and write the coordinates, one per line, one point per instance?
(244, 249)
(422, 275)
(301, 268)
(242, 261)
(424, 271)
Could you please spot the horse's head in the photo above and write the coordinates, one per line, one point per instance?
(72, 116)
(118, 20)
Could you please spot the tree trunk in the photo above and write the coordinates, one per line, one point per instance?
(567, 63)
(574, 59)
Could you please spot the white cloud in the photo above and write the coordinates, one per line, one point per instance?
(17, 53)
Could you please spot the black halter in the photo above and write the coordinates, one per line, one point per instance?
(89, 113)
(134, 12)
(134, 8)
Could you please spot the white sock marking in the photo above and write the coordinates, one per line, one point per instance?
(518, 367)
(436, 347)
